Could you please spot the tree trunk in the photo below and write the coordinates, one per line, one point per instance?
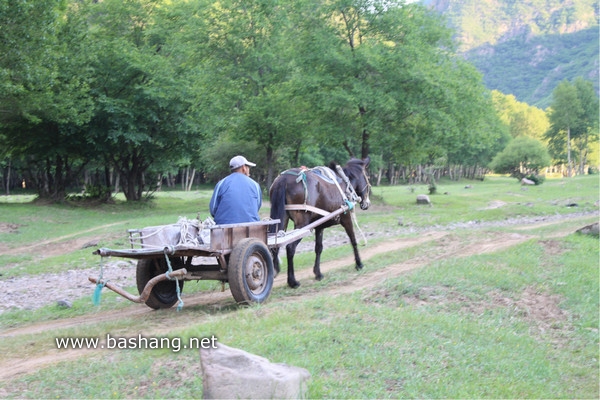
(8, 177)
(117, 182)
(191, 180)
(270, 166)
(569, 151)
(159, 179)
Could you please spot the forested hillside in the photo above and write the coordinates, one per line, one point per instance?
(526, 47)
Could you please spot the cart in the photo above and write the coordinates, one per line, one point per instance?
(169, 255)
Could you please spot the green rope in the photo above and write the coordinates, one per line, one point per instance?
(180, 304)
(99, 286)
(349, 204)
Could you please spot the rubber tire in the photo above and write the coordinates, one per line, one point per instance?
(250, 271)
(163, 294)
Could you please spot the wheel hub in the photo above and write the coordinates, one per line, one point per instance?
(255, 273)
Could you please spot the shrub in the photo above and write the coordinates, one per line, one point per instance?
(537, 179)
(523, 156)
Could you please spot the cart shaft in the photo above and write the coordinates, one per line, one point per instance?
(180, 273)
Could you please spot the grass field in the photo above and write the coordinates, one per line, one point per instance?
(458, 316)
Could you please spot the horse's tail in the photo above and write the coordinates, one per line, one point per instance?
(277, 195)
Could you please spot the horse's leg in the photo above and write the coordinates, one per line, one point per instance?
(275, 250)
(318, 251)
(291, 250)
(347, 224)
(275, 256)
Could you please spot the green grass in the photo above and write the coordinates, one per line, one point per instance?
(474, 204)
(517, 323)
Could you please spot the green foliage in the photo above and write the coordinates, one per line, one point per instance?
(45, 76)
(574, 120)
(142, 89)
(522, 156)
(521, 118)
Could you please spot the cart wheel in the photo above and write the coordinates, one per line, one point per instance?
(250, 271)
(163, 294)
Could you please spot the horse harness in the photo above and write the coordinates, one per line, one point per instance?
(349, 196)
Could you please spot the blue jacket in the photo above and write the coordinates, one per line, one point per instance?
(236, 199)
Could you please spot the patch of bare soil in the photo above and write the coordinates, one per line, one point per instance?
(8, 228)
(204, 304)
(541, 310)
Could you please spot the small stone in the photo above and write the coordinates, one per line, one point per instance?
(92, 243)
(64, 303)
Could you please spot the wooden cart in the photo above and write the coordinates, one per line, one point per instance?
(238, 254)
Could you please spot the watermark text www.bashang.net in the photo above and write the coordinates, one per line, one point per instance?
(175, 344)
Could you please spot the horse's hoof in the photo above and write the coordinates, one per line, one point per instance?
(319, 277)
(359, 267)
(294, 285)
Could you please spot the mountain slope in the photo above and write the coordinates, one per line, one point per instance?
(531, 69)
(525, 47)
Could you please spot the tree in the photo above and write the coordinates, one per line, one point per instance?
(586, 131)
(143, 89)
(365, 67)
(564, 114)
(246, 52)
(384, 79)
(45, 95)
(521, 157)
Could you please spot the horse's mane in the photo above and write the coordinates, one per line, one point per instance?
(354, 166)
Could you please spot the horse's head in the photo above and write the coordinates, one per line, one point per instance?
(356, 170)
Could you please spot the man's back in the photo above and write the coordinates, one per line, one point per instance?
(236, 199)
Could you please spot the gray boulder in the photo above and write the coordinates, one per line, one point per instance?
(229, 373)
(423, 199)
(526, 181)
(592, 229)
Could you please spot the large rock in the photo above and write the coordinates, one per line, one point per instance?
(229, 373)
(526, 181)
(423, 199)
(592, 229)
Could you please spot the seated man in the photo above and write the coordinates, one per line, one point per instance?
(237, 197)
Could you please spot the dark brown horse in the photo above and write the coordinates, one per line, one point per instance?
(305, 195)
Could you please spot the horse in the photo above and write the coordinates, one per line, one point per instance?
(305, 195)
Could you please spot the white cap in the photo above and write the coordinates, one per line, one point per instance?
(238, 161)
